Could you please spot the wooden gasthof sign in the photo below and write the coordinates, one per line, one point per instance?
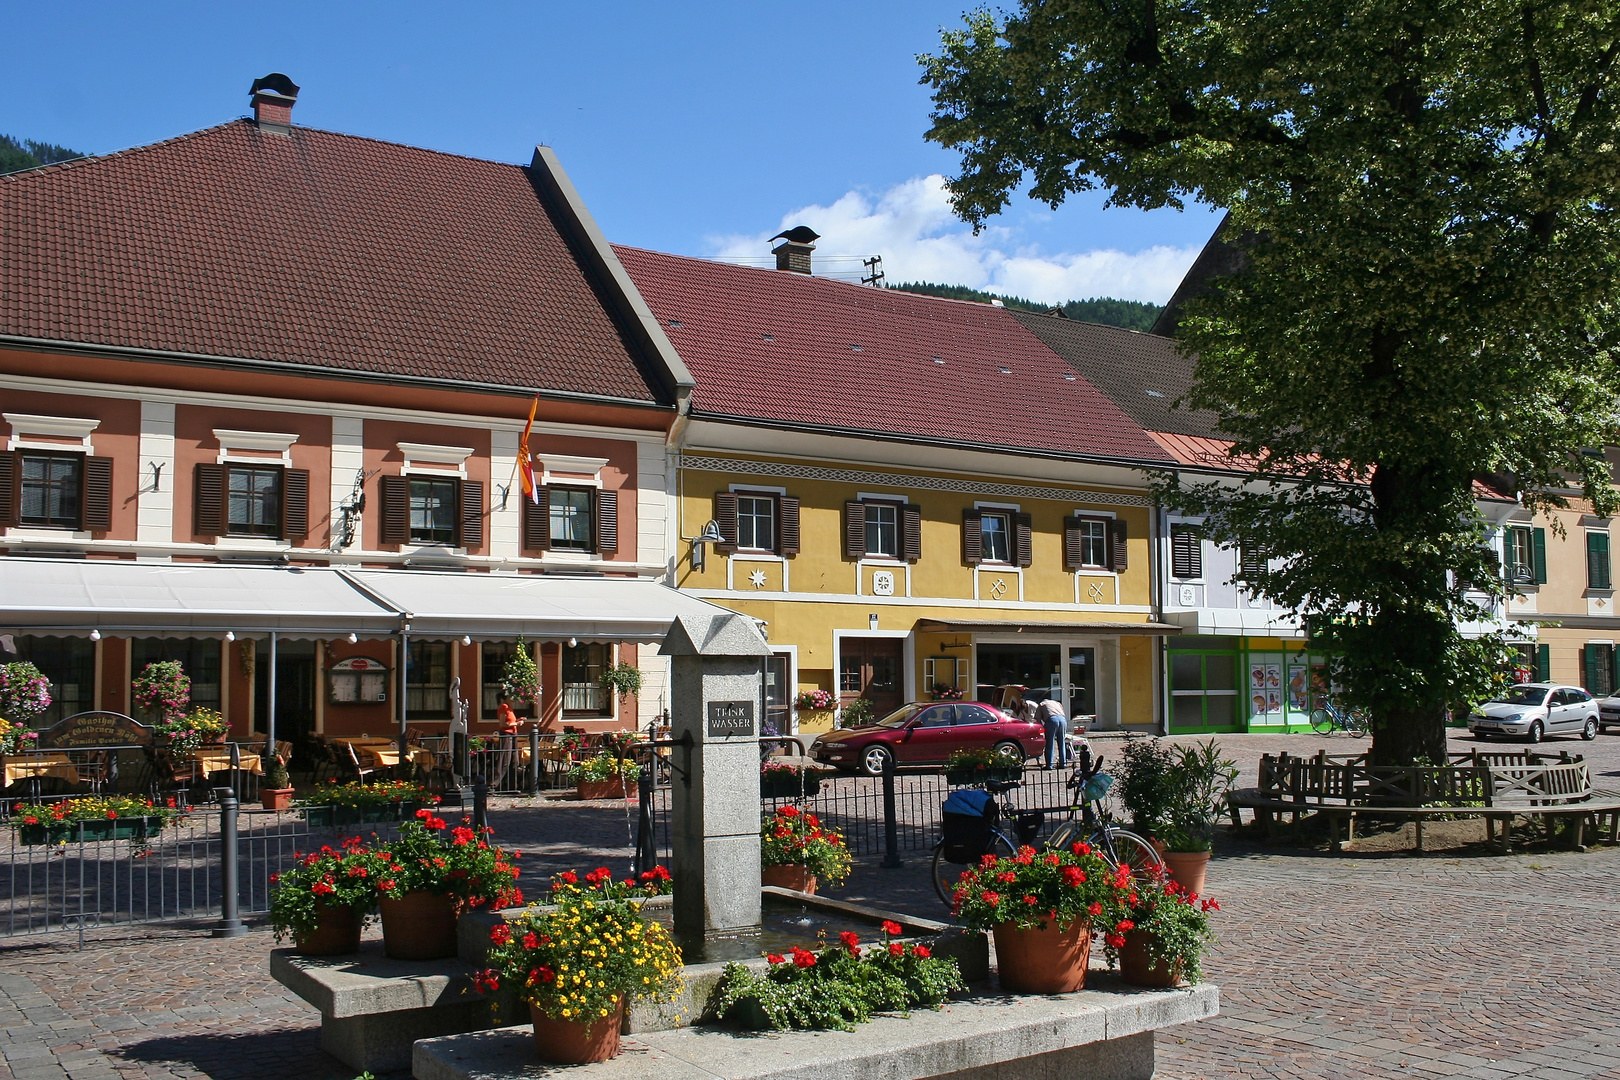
(95, 729)
(731, 718)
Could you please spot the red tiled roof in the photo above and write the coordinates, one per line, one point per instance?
(774, 346)
(318, 249)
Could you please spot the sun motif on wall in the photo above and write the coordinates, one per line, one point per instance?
(757, 579)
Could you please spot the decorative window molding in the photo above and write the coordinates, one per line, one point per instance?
(906, 482)
(49, 432)
(438, 460)
(253, 446)
(569, 470)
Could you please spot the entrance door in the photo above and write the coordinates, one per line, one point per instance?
(870, 668)
(295, 690)
(1083, 684)
(778, 713)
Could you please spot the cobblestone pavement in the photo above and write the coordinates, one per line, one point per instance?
(1481, 967)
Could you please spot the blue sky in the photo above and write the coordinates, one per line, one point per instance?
(693, 128)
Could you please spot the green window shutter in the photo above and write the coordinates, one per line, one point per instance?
(1597, 560)
(1543, 661)
(1589, 659)
(1539, 538)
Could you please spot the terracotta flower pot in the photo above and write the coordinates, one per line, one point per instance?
(336, 933)
(276, 798)
(1187, 868)
(602, 789)
(570, 1042)
(1048, 960)
(794, 877)
(419, 926)
(1136, 966)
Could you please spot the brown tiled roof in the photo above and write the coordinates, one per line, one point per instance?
(1142, 373)
(317, 249)
(778, 347)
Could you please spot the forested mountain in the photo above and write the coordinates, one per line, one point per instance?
(1131, 314)
(27, 154)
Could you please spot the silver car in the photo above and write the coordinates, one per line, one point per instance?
(1609, 711)
(1534, 710)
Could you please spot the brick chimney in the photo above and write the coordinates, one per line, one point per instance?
(793, 254)
(273, 99)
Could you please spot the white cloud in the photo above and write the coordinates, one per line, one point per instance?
(912, 227)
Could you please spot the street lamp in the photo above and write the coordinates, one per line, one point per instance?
(700, 542)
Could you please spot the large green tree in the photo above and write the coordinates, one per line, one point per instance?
(1423, 192)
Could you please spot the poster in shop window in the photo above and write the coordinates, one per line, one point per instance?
(1265, 688)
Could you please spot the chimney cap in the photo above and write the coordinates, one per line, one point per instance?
(799, 234)
(277, 84)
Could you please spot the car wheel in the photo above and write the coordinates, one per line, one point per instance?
(1011, 751)
(1535, 732)
(1590, 731)
(875, 760)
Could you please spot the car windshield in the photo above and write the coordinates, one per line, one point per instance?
(1522, 695)
(900, 716)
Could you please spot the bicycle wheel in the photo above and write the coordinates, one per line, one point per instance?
(945, 874)
(1356, 723)
(1121, 847)
(1321, 721)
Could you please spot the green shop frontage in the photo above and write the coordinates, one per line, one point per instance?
(1236, 683)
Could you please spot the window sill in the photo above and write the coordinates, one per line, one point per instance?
(756, 555)
(47, 532)
(252, 543)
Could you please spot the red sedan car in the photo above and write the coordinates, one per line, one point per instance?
(925, 733)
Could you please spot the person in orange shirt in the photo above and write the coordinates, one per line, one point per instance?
(508, 718)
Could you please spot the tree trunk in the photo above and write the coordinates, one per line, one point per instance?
(1407, 736)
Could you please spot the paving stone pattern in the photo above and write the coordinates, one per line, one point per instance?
(1367, 966)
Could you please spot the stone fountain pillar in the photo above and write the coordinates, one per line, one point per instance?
(717, 693)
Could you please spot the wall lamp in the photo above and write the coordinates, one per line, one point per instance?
(700, 542)
(95, 635)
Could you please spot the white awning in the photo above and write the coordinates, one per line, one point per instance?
(169, 599)
(117, 596)
(503, 606)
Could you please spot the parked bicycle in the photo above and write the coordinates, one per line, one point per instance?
(1330, 717)
(983, 832)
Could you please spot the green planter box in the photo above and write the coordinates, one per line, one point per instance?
(359, 815)
(130, 828)
(788, 787)
(974, 777)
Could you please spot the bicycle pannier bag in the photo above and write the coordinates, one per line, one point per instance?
(969, 815)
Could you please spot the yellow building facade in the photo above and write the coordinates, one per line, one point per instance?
(851, 610)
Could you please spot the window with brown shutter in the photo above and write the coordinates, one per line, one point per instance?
(725, 516)
(788, 510)
(537, 520)
(972, 538)
(854, 529)
(209, 499)
(294, 504)
(911, 534)
(1071, 543)
(97, 494)
(472, 514)
(607, 522)
(1026, 539)
(1118, 555)
(9, 498)
(395, 492)
(1186, 551)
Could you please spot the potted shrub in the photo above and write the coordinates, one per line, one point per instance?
(856, 713)
(15, 738)
(325, 900)
(605, 776)
(577, 967)
(520, 678)
(979, 765)
(622, 679)
(1145, 787)
(277, 792)
(431, 874)
(946, 692)
(779, 780)
(1165, 933)
(795, 852)
(599, 885)
(1200, 778)
(840, 986)
(814, 700)
(1042, 908)
(111, 817)
(335, 803)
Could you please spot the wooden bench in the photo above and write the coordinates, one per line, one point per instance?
(1496, 786)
